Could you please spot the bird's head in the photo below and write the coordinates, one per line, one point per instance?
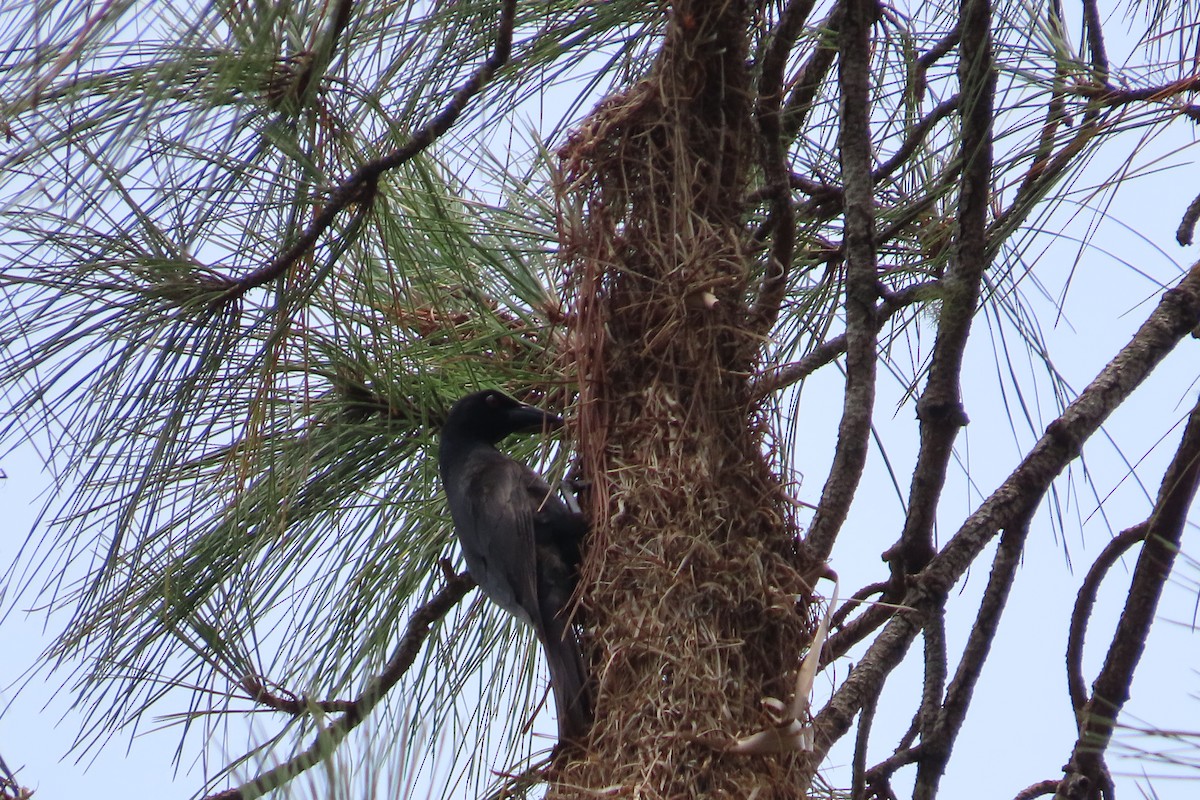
(491, 415)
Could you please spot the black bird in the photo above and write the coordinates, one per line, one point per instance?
(521, 542)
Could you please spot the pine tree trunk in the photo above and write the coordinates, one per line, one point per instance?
(695, 592)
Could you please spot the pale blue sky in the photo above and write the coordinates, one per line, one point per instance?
(1019, 730)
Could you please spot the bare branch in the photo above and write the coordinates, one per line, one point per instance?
(1164, 530)
(916, 87)
(938, 737)
(934, 751)
(330, 736)
(360, 186)
(868, 676)
(826, 199)
(854, 75)
(812, 75)
(1175, 316)
(916, 135)
(768, 112)
(857, 599)
(939, 408)
(1095, 38)
(1110, 96)
(291, 702)
(881, 774)
(855, 631)
(1187, 225)
(858, 780)
(983, 632)
(1039, 789)
(1056, 113)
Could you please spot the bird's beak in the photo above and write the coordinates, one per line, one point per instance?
(530, 419)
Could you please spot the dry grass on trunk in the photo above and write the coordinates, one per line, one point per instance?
(693, 574)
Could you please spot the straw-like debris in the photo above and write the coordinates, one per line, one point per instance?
(696, 600)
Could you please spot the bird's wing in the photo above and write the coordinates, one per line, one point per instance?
(558, 535)
(522, 546)
(503, 519)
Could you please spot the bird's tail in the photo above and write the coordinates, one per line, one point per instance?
(568, 680)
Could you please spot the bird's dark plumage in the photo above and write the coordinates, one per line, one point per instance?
(521, 543)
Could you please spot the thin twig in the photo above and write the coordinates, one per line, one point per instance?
(1082, 613)
(1041, 175)
(829, 350)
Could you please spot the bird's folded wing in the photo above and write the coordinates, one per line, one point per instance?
(500, 502)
